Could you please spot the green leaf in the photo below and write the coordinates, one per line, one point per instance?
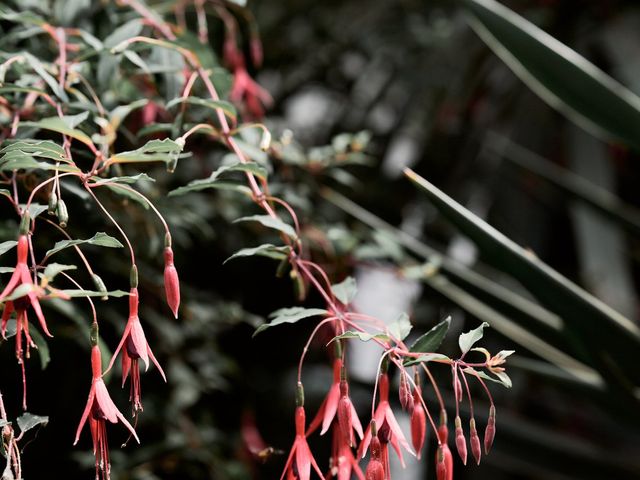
(468, 339)
(165, 150)
(56, 124)
(345, 291)
(290, 315)
(270, 222)
(428, 357)
(27, 421)
(501, 377)
(124, 32)
(401, 327)
(100, 239)
(36, 148)
(431, 341)
(76, 293)
(227, 107)
(265, 250)
(38, 67)
(129, 179)
(204, 184)
(6, 246)
(214, 182)
(20, 291)
(363, 336)
(597, 331)
(54, 269)
(559, 75)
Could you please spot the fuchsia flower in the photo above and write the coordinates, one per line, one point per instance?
(329, 408)
(384, 413)
(375, 468)
(444, 458)
(171, 282)
(22, 277)
(418, 423)
(342, 463)
(300, 459)
(135, 348)
(247, 89)
(99, 408)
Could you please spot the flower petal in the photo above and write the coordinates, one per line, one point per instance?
(333, 397)
(139, 341)
(155, 362)
(105, 403)
(85, 414)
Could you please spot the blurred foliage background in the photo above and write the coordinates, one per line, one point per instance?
(432, 96)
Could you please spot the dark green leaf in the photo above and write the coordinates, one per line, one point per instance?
(559, 75)
(431, 341)
(56, 124)
(228, 108)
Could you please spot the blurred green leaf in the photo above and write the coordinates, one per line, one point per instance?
(265, 250)
(100, 239)
(400, 327)
(428, 357)
(270, 222)
(362, 336)
(27, 421)
(346, 290)
(606, 334)
(559, 75)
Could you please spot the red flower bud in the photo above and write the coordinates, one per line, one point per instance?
(418, 424)
(490, 431)
(344, 414)
(404, 392)
(475, 442)
(458, 387)
(171, 282)
(461, 442)
(441, 468)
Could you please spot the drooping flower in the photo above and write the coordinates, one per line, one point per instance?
(135, 348)
(300, 459)
(247, 89)
(329, 407)
(490, 431)
(342, 462)
(461, 442)
(171, 282)
(21, 280)
(384, 413)
(375, 467)
(476, 450)
(98, 410)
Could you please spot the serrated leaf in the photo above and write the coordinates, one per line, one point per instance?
(6, 246)
(264, 250)
(401, 327)
(54, 269)
(56, 124)
(27, 421)
(560, 76)
(431, 341)
(227, 107)
(428, 357)
(468, 339)
(129, 179)
(290, 315)
(100, 239)
(36, 148)
(503, 379)
(346, 290)
(165, 150)
(270, 222)
(363, 336)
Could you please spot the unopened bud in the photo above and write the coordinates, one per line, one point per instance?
(171, 282)
(404, 392)
(53, 203)
(490, 431)
(345, 416)
(458, 387)
(461, 442)
(100, 286)
(476, 450)
(418, 424)
(62, 214)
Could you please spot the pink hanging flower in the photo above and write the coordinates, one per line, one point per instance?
(375, 468)
(418, 423)
(444, 458)
(135, 348)
(342, 463)
(100, 408)
(247, 89)
(329, 407)
(383, 412)
(300, 459)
